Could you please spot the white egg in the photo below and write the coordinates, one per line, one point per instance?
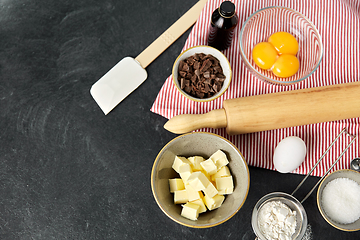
(289, 154)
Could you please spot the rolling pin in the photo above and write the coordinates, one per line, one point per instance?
(276, 110)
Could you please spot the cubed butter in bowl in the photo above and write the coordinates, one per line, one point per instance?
(211, 193)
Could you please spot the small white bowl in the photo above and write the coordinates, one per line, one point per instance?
(206, 50)
(199, 144)
(345, 173)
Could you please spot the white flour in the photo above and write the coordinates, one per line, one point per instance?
(277, 221)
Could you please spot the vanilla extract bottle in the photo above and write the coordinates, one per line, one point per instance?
(223, 23)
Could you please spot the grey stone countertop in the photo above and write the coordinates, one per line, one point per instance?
(67, 171)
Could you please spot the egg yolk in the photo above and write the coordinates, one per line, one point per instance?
(284, 43)
(286, 65)
(264, 55)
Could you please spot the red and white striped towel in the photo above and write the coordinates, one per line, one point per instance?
(338, 22)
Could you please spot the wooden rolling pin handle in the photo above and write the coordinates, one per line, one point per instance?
(190, 122)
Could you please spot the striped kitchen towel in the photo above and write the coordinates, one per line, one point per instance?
(338, 22)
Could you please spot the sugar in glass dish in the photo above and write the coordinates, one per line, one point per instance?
(199, 144)
(292, 203)
(345, 174)
(266, 21)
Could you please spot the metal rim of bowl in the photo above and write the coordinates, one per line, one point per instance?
(249, 65)
(320, 208)
(179, 222)
(267, 198)
(223, 89)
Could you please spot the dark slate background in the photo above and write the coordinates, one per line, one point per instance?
(67, 171)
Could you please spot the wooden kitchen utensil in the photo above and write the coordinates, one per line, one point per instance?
(276, 110)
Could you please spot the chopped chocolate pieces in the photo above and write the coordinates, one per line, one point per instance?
(206, 74)
(201, 75)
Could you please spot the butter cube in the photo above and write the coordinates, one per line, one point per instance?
(190, 211)
(223, 172)
(205, 173)
(219, 158)
(185, 171)
(192, 193)
(209, 167)
(184, 176)
(185, 168)
(180, 197)
(213, 202)
(176, 184)
(179, 161)
(198, 181)
(201, 203)
(225, 185)
(195, 162)
(210, 190)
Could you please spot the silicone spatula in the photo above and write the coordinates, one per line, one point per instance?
(129, 73)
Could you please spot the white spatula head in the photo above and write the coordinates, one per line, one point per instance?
(118, 83)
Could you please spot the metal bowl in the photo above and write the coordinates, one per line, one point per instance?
(345, 173)
(201, 144)
(292, 203)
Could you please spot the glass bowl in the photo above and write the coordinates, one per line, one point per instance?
(292, 203)
(266, 21)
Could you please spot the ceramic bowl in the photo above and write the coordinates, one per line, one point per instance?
(201, 144)
(206, 50)
(266, 21)
(292, 203)
(346, 173)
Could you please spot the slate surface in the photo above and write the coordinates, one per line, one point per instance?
(66, 170)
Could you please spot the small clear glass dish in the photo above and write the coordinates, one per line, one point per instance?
(288, 200)
(266, 21)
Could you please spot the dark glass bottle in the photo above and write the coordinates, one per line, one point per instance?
(223, 23)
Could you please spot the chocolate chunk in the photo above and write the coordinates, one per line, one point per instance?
(182, 83)
(181, 64)
(218, 69)
(207, 74)
(216, 87)
(201, 75)
(191, 60)
(205, 66)
(207, 81)
(200, 94)
(182, 73)
(197, 65)
(185, 67)
(193, 78)
(220, 77)
(197, 73)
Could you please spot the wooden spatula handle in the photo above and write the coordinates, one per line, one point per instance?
(170, 35)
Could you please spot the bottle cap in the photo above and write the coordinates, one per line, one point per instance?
(227, 9)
